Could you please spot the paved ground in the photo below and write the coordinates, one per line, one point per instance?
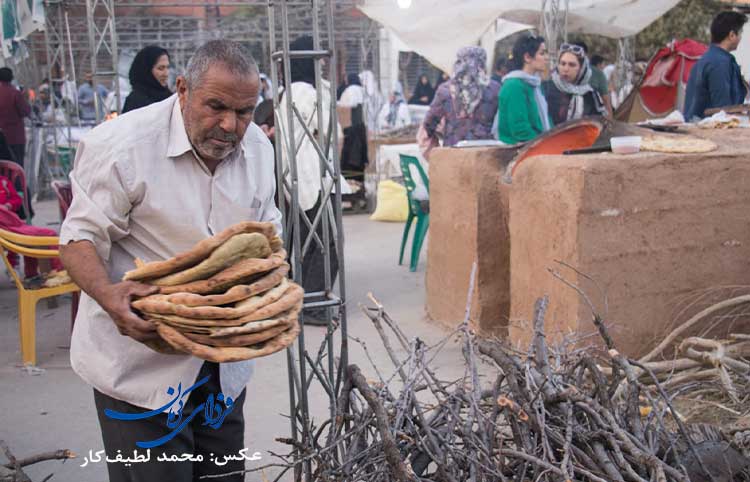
(55, 409)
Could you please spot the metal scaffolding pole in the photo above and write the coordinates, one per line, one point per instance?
(554, 24)
(102, 39)
(54, 44)
(321, 366)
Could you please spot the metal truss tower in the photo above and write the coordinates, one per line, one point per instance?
(100, 17)
(554, 24)
(325, 366)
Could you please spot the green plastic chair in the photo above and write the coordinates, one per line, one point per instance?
(415, 211)
(66, 156)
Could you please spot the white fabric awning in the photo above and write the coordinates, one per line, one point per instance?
(436, 29)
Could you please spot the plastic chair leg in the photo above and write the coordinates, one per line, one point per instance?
(404, 238)
(27, 328)
(420, 231)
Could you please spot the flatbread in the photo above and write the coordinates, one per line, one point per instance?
(199, 252)
(243, 308)
(237, 340)
(232, 295)
(238, 247)
(218, 331)
(228, 354)
(161, 346)
(225, 279)
(677, 144)
(292, 299)
(285, 318)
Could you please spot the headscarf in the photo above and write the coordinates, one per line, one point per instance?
(469, 79)
(541, 101)
(266, 93)
(353, 79)
(578, 89)
(140, 74)
(303, 70)
(398, 92)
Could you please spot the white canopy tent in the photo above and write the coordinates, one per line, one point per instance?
(436, 29)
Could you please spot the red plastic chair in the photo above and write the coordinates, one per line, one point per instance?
(64, 193)
(17, 176)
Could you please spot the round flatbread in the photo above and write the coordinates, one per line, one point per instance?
(228, 354)
(292, 299)
(675, 144)
(243, 308)
(232, 295)
(238, 273)
(200, 251)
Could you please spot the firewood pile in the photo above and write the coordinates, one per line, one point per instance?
(226, 299)
(553, 413)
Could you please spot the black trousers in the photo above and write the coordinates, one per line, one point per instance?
(313, 263)
(196, 438)
(19, 152)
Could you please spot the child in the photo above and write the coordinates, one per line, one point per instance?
(10, 204)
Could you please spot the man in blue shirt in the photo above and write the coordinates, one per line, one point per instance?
(716, 80)
(86, 101)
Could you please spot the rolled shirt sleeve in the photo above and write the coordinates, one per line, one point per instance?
(101, 204)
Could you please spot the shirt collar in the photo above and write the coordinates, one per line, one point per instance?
(179, 143)
(716, 48)
(178, 139)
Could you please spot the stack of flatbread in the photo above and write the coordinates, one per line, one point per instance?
(226, 299)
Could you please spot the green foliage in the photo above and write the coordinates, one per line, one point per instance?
(688, 19)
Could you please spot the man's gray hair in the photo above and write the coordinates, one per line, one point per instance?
(232, 55)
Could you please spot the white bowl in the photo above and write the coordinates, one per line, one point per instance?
(625, 145)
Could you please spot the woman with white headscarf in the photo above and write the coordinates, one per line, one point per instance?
(394, 114)
(568, 92)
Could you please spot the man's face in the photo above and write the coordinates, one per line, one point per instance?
(218, 110)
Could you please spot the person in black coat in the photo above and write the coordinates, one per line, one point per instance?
(148, 75)
(423, 92)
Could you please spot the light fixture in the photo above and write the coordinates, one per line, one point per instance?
(404, 4)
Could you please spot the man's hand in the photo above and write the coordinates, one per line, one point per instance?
(86, 268)
(115, 300)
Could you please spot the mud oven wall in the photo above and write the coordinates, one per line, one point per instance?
(651, 230)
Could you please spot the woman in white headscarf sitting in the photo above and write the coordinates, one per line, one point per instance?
(394, 114)
(568, 92)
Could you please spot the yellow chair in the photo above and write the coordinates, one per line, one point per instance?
(27, 298)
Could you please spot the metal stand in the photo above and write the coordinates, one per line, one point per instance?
(55, 46)
(304, 369)
(102, 38)
(554, 25)
(625, 61)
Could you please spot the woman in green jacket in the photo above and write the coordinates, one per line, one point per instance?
(522, 108)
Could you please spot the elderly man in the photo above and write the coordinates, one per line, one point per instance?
(148, 185)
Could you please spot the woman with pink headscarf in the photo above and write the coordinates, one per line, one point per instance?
(467, 102)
